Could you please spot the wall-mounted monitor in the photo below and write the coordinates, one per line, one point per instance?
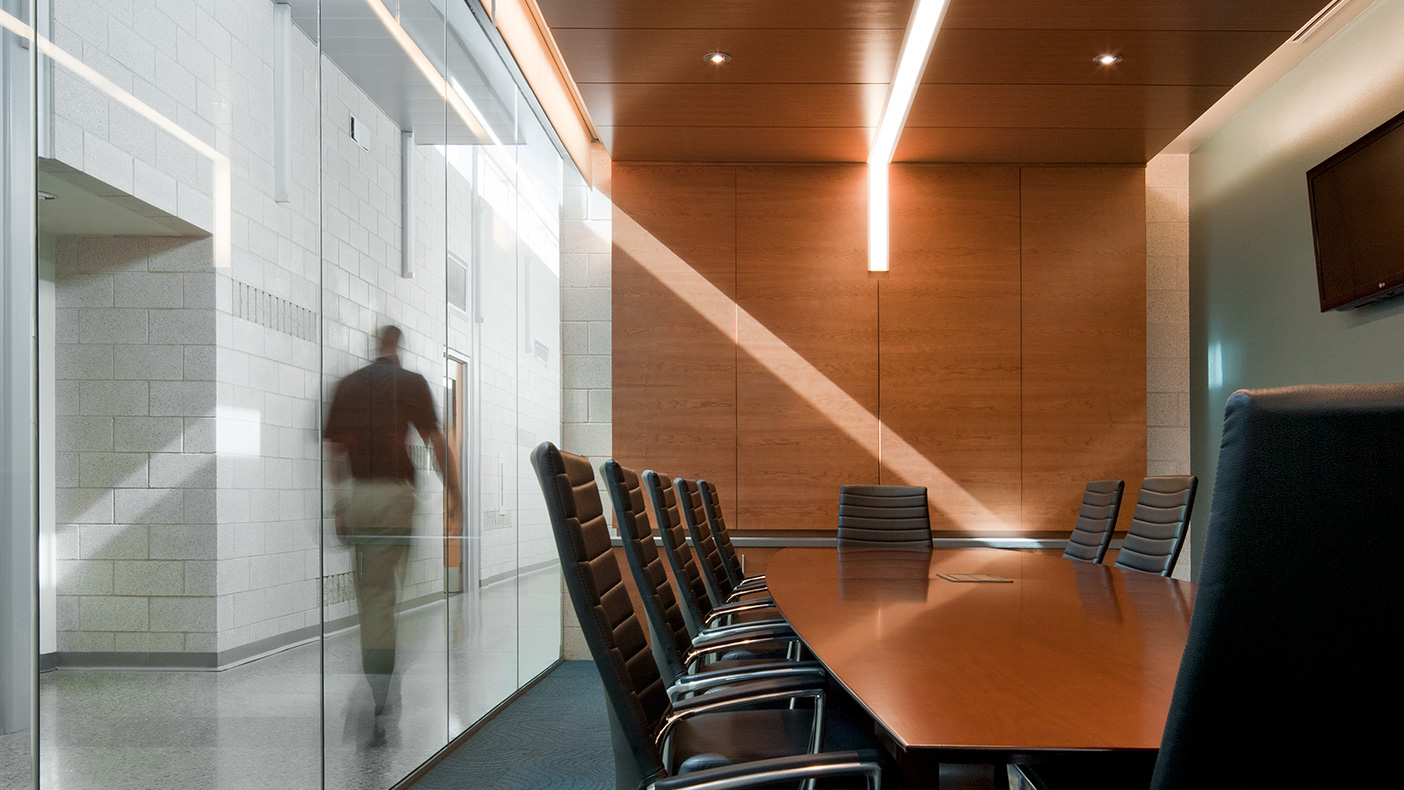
(1357, 219)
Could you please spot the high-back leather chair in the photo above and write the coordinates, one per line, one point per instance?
(673, 648)
(883, 516)
(696, 604)
(653, 736)
(1096, 519)
(692, 591)
(693, 508)
(1291, 672)
(1157, 529)
(731, 562)
(661, 607)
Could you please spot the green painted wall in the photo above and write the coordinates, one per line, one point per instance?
(1255, 318)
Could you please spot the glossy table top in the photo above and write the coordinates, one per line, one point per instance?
(1067, 656)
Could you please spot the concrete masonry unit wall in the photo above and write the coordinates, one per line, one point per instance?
(188, 481)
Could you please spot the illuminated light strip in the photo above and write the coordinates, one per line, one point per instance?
(803, 378)
(911, 62)
(222, 200)
(461, 104)
(473, 108)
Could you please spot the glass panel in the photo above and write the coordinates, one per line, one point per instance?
(181, 249)
(482, 210)
(539, 190)
(17, 407)
(243, 195)
(384, 213)
(179, 396)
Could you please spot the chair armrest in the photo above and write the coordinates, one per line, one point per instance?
(740, 695)
(777, 629)
(747, 603)
(736, 596)
(752, 584)
(777, 769)
(733, 628)
(703, 681)
(734, 608)
(770, 648)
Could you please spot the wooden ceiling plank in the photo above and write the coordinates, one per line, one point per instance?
(1009, 80)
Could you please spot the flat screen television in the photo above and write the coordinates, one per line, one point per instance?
(1357, 219)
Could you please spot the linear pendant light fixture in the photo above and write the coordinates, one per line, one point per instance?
(911, 63)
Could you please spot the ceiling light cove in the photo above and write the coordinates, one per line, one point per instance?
(911, 62)
(1108, 59)
(717, 58)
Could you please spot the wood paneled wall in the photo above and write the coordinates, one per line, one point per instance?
(1001, 362)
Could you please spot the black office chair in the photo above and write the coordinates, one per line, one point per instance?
(731, 562)
(710, 563)
(658, 742)
(679, 657)
(1157, 529)
(883, 516)
(697, 608)
(1292, 659)
(1091, 535)
(1291, 673)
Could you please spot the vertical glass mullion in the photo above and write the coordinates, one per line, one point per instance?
(19, 558)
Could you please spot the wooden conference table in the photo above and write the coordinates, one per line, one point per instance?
(1068, 657)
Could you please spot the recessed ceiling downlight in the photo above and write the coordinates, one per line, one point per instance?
(1108, 59)
(717, 58)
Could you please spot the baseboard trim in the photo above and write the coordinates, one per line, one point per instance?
(502, 577)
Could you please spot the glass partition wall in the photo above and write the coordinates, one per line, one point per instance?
(232, 202)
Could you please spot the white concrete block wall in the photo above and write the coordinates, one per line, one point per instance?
(587, 385)
(586, 314)
(269, 388)
(134, 452)
(216, 81)
(363, 289)
(282, 325)
(499, 359)
(1167, 323)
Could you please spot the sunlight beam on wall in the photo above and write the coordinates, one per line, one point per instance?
(807, 381)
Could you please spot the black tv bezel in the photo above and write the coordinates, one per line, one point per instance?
(1391, 288)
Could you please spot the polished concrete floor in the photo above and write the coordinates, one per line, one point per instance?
(261, 724)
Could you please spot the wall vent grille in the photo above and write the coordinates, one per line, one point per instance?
(274, 312)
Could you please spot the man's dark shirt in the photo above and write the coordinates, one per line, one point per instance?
(371, 412)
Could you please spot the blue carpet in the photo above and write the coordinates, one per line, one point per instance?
(554, 737)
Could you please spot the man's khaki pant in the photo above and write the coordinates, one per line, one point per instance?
(378, 515)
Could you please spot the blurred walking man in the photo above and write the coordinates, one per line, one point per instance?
(371, 413)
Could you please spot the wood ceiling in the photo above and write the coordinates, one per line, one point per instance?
(1008, 81)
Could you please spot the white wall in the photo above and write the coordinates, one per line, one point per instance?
(1167, 326)
(1256, 319)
